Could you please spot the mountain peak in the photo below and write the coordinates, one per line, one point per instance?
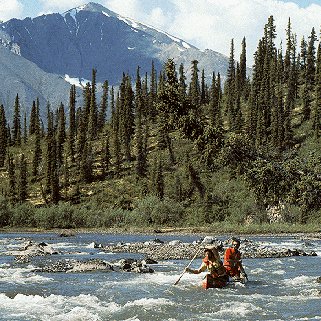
(92, 7)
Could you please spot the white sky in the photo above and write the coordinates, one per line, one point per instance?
(204, 23)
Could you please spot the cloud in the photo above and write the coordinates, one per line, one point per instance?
(128, 8)
(213, 23)
(60, 5)
(204, 23)
(10, 9)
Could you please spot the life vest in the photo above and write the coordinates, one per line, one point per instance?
(232, 267)
(216, 268)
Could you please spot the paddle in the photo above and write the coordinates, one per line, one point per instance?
(243, 272)
(189, 264)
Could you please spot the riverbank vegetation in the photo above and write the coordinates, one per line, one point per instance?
(239, 154)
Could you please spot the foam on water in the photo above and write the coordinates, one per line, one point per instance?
(149, 304)
(4, 265)
(134, 319)
(63, 245)
(56, 307)
(257, 271)
(298, 281)
(237, 309)
(22, 276)
(278, 272)
(158, 278)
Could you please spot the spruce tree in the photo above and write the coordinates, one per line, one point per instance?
(66, 176)
(86, 163)
(82, 133)
(93, 113)
(195, 91)
(22, 180)
(169, 107)
(238, 116)
(72, 122)
(37, 152)
(203, 93)
(25, 133)
(103, 107)
(159, 183)
(310, 64)
(86, 106)
(288, 52)
(230, 88)
(317, 104)
(302, 61)
(16, 131)
(3, 136)
(153, 93)
(195, 180)
(33, 115)
(9, 136)
(54, 180)
(309, 77)
(116, 138)
(12, 179)
(139, 104)
(182, 82)
(50, 150)
(126, 115)
(61, 135)
(242, 75)
(214, 112)
(106, 156)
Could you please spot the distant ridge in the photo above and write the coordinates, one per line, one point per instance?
(92, 36)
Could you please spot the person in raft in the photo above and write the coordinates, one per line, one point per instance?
(217, 277)
(233, 262)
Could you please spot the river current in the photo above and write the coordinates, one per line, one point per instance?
(278, 288)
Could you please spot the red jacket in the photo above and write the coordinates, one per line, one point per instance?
(232, 261)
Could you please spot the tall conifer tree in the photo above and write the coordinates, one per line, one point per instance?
(72, 122)
(230, 88)
(317, 104)
(37, 152)
(61, 135)
(93, 114)
(3, 136)
(22, 179)
(242, 80)
(12, 178)
(16, 131)
(103, 107)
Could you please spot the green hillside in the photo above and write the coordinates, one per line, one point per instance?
(240, 156)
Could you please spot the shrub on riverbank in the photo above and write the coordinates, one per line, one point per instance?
(149, 213)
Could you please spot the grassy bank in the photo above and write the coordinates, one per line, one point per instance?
(213, 229)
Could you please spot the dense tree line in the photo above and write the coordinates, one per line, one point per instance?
(175, 135)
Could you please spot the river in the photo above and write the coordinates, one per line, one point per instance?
(278, 288)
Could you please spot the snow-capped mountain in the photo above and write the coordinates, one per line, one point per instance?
(91, 36)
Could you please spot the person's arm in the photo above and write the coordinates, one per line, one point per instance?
(202, 268)
(231, 260)
(241, 268)
(227, 258)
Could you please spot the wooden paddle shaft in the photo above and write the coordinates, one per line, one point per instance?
(189, 264)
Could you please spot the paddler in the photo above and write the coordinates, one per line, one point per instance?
(233, 262)
(216, 277)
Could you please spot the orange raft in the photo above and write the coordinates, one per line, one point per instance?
(210, 282)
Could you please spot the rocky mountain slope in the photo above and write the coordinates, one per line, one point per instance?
(91, 36)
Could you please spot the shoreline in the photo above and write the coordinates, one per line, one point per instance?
(153, 231)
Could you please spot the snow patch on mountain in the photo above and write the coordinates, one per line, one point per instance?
(78, 82)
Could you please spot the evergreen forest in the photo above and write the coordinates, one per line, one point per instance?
(161, 150)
